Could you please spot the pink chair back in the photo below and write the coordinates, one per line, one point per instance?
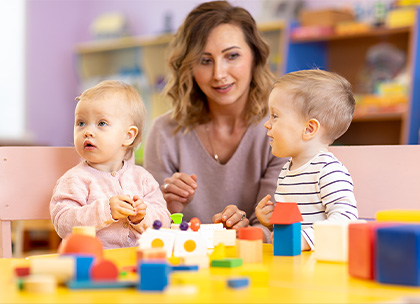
(27, 178)
(384, 177)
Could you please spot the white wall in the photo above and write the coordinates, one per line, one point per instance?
(12, 63)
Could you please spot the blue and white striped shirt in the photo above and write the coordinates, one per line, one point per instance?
(323, 190)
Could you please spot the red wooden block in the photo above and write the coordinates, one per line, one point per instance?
(362, 244)
(250, 233)
(104, 270)
(22, 271)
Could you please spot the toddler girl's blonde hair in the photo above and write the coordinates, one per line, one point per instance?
(131, 103)
(325, 96)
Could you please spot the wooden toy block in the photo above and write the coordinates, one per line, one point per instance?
(83, 265)
(40, 283)
(153, 276)
(250, 251)
(104, 270)
(184, 268)
(85, 230)
(151, 254)
(188, 243)
(331, 241)
(397, 215)
(286, 213)
(101, 284)
(208, 230)
(286, 220)
(81, 244)
(202, 261)
(362, 248)
(152, 238)
(287, 239)
(63, 268)
(228, 263)
(231, 251)
(174, 260)
(237, 283)
(398, 257)
(22, 271)
(218, 253)
(250, 233)
(226, 237)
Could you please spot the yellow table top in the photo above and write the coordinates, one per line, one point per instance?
(299, 279)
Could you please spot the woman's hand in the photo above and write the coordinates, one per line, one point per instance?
(231, 217)
(179, 190)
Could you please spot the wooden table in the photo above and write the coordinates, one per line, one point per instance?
(299, 279)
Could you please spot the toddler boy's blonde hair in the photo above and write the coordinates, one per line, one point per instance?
(131, 103)
(325, 96)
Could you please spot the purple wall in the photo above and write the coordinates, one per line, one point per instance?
(53, 29)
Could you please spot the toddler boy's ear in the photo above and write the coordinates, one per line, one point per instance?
(311, 128)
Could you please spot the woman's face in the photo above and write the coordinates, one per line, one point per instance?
(224, 71)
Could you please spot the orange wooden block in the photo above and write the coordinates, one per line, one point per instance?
(82, 244)
(250, 233)
(362, 244)
(151, 254)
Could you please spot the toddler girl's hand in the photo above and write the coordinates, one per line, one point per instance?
(140, 209)
(121, 206)
(264, 210)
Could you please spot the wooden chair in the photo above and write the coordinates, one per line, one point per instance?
(384, 177)
(27, 178)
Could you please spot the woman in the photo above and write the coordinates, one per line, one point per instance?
(211, 153)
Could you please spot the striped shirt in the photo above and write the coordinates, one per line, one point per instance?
(323, 190)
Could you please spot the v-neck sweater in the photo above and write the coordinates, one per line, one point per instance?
(249, 175)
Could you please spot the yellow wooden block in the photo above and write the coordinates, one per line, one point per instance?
(230, 252)
(218, 253)
(398, 215)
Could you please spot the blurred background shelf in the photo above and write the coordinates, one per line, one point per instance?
(352, 55)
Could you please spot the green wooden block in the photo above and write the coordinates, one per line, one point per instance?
(228, 262)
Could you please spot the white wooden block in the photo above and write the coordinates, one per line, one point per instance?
(152, 238)
(208, 232)
(331, 241)
(226, 237)
(188, 243)
(40, 283)
(62, 268)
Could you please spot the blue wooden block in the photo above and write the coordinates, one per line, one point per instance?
(153, 276)
(398, 255)
(100, 284)
(83, 264)
(286, 239)
(184, 268)
(238, 282)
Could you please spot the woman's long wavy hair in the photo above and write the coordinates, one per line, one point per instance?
(189, 103)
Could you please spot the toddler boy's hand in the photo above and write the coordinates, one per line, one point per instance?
(264, 210)
(140, 209)
(121, 206)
